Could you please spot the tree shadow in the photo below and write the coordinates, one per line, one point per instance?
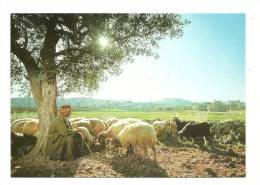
(213, 146)
(43, 168)
(180, 142)
(223, 150)
(170, 141)
(136, 166)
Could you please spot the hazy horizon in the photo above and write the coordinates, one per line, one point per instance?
(194, 101)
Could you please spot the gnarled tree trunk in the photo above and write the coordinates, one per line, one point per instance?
(44, 89)
(44, 93)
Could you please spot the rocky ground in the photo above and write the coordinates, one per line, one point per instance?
(175, 160)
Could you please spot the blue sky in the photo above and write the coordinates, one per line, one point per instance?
(206, 64)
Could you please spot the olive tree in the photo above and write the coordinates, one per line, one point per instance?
(61, 53)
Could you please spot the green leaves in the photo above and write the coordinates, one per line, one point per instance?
(78, 60)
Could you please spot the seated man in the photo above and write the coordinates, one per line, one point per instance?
(64, 142)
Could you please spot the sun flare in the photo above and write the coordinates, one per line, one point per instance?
(103, 41)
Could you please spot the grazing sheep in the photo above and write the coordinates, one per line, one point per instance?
(193, 130)
(17, 125)
(22, 120)
(165, 128)
(173, 129)
(139, 134)
(31, 127)
(160, 127)
(114, 129)
(98, 126)
(82, 123)
(86, 137)
(111, 121)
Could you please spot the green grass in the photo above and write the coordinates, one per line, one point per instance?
(151, 115)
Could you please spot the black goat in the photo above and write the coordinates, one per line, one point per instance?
(21, 144)
(192, 130)
(180, 124)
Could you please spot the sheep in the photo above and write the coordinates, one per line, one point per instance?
(86, 137)
(139, 134)
(193, 130)
(21, 120)
(114, 129)
(111, 121)
(108, 122)
(173, 128)
(97, 126)
(82, 123)
(160, 127)
(164, 128)
(180, 124)
(31, 127)
(94, 125)
(17, 125)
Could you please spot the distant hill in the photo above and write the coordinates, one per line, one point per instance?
(89, 103)
(174, 102)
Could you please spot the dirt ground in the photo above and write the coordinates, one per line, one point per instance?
(173, 161)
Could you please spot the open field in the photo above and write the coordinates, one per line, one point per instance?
(150, 115)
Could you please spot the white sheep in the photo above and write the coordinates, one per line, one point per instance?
(22, 120)
(97, 126)
(111, 121)
(17, 125)
(87, 137)
(139, 134)
(82, 123)
(165, 127)
(114, 129)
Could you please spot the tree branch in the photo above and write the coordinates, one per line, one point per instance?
(51, 39)
(25, 57)
(63, 32)
(63, 52)
(25, 39)
(30, 66)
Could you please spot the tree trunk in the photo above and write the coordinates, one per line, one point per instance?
(45, 94)
(42, 81)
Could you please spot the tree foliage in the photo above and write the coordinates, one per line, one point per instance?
(66, 45)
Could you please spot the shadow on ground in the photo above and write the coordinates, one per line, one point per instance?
(224, 150)
(212, 147)
(43, 168)
(136, 166)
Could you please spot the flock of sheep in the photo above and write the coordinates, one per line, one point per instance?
(130, 133)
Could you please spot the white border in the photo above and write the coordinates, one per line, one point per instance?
(138, 6)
